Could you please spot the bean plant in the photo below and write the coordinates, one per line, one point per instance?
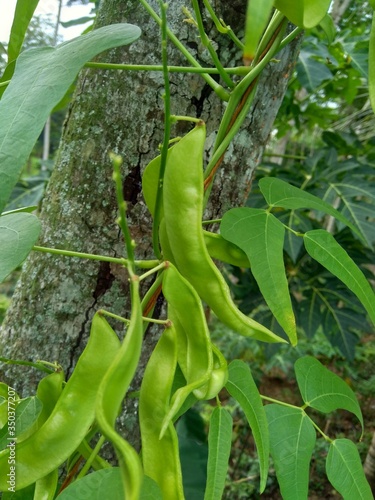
(55, 427)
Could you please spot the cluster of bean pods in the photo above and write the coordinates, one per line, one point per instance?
(189, 278)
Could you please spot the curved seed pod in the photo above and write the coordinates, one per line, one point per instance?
(257, 16)
(221, 249)
(48, 447)
(183, 207)
(112, 391)
(160, 456)
(185, 310)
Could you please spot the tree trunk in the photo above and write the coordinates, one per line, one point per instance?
(56, 297)
(369, 466)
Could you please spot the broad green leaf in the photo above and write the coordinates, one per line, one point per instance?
(371, 64)
(323, 390)
(242, 388)
(281, 194)
(22, 16)
(41, 78)
(104, 483)
(345, 471)
(311, 73)
(257, 16)
(219, 446)
(261, 236)
(23, 494)
(303, 13)
(292, 440)
(18, 234)
(323, 247)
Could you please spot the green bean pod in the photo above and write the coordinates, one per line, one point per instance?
(160, 456)
(183, 209)
(217, 247)
(112, 391)
(71, 418)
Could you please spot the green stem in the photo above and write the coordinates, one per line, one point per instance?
(212, 221)
(152, 271)
(103, 312)
(86, 451)
(237, 70)
(5, 84)
(122, 222)
(271, 400)
(181, 118)
(222, 27)
(289, 38)
(167, 132)
(206, 42)
(218, 89)
(142, 264)
(37, 365)
(91, 458)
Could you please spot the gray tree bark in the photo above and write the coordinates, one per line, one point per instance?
(56, 297)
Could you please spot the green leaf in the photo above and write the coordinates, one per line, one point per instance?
(281, 194)
(323, 390)
(219, 446)
(303, 13)
(329, 28)
(242, 388)
(40, 81)
(345, 471)
(323, 247)
(261, 236)
(18, 234)
(358, 198)
(311, 73)
(104, 483)
(292, 440)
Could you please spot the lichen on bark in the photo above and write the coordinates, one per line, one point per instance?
(56, 297)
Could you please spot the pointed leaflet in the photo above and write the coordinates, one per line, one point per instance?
(242, 388)
(18, 234)
(323, 390)
(345, 471)
(323, 247)
(219, 445)
(281, 194)
(41, 78)
(261, 236)
(292, 440)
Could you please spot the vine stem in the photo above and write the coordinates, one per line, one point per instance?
(122, 222)
(38, 365)
(236, 70)
(167, 131)
(142, 264)
(218, 89)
